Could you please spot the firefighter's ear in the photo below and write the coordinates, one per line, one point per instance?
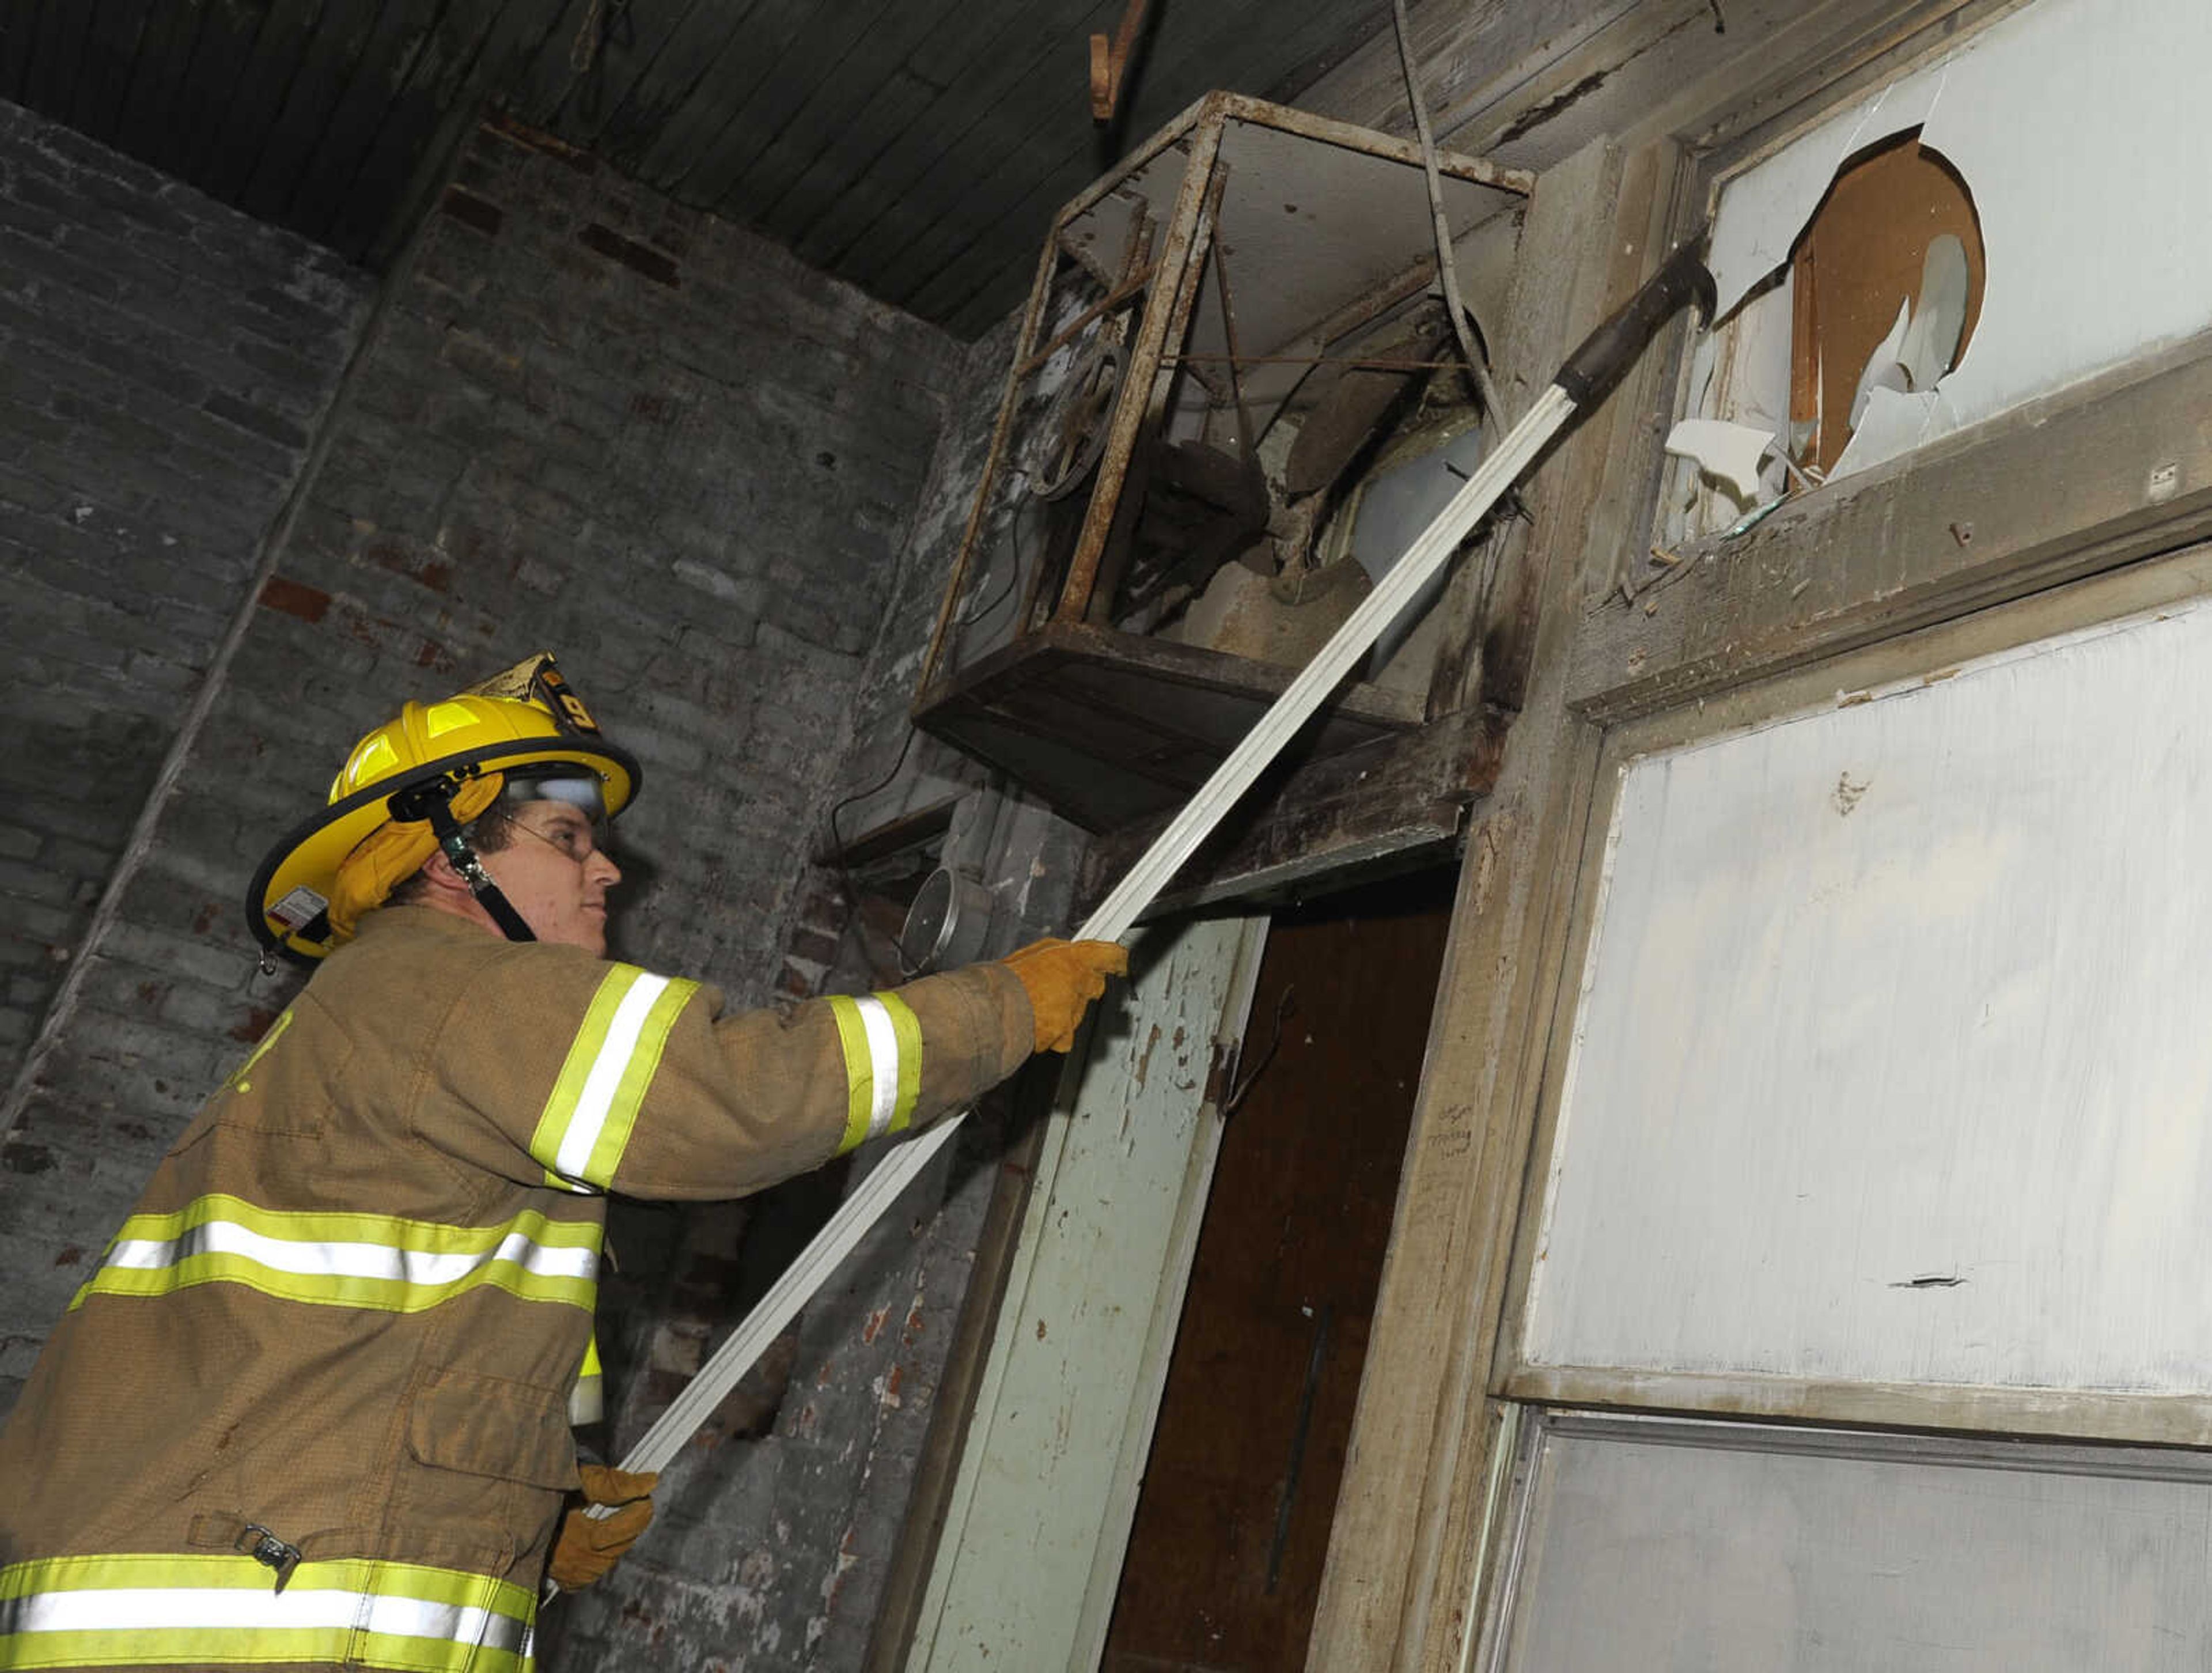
(439, 873)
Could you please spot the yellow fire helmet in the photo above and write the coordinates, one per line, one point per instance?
(524, 725)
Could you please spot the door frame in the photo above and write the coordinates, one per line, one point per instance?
(1070, 1387)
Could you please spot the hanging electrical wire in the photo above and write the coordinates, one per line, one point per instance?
(1446, 272)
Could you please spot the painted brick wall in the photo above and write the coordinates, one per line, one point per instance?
(163, 363)
(726, 491)
(584, 420)
(779, 1529)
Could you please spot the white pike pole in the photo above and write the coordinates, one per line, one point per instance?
(1588, 372)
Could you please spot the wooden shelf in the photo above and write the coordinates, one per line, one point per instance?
(1109, 728)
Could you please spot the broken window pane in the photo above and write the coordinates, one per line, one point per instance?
(2075, 133)
(1874, 307)
(1886, 289)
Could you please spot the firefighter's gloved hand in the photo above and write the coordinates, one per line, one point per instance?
(589, 1546)
(1061, 979)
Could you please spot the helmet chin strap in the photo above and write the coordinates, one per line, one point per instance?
(438, 808)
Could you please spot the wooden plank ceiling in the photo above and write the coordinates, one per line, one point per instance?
(916, 147)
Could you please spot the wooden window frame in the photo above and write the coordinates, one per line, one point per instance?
(1922, 547)
(1926, 654)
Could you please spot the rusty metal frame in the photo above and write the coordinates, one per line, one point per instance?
(1169, 284)
(1181, 266)
(940, 636)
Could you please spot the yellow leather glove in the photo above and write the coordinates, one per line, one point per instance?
(588, 1546)
(1062, 979)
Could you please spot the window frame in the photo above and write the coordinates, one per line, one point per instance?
(1538, 1425)
(1847, 569)
(2086, 1415)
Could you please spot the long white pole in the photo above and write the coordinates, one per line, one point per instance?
(1118, 913)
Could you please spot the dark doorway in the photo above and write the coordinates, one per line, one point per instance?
(1232, 1522)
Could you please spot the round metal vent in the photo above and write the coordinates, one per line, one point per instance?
(947, 924)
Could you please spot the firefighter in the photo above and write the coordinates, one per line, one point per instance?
(312, 1407)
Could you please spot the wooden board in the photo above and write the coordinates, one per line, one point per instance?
(1861, 255)
(532, 91)
(1039, 1509)
(832, 131)
(902, 108)
(1885, 1039)
(2110, 470)
(2178, 582)
(1615, 501)
(1531, 82)
(19, 40)
(1324, 824)
(115, 29)
(855, 231)
(1108, 727)
(57, 42)
(473, 43)
(329, 171)
(165, 46)
(345, 35)
(693, 127)
(232, 149)
(220, 58)
(1402, 1551)
(812, 84)
(843, 162)
(631, 81)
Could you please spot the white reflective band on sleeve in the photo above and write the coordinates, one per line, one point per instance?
(596, 1099)
(883, 1062)
(414, 1267)
(587, 1401)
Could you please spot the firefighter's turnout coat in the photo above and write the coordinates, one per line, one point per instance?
(344, 1320)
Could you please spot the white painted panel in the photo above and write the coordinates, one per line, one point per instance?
(1025, 1572)
(1915, 989)
(1733, 1561)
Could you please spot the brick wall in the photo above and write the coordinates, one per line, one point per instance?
(726, 491)
(163, 363)
(588, 420)
(778, 1529)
